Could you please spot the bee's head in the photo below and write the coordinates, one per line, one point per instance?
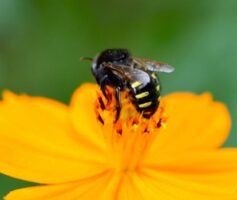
(116, 56)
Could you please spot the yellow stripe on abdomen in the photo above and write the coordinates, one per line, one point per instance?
(136, 84)
(142, 95)
(145, 105)
(158, 88)
(154, 75)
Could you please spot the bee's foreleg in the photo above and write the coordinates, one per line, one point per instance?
(103, 83)
(118, 103)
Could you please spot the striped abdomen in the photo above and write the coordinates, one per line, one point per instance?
(145, 96)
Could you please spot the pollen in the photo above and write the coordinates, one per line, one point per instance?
(131, 136)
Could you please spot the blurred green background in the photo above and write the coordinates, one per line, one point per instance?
(41, 43)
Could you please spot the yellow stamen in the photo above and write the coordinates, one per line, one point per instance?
(131, 136)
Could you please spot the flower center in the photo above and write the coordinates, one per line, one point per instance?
(130, 137)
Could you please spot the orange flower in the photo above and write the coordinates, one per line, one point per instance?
(78, 152)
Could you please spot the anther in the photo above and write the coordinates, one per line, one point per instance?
(135, 121)
(146, 130)
(119, 131)
(159, 123)
(102, 105)
(118, 128)
(100, 119)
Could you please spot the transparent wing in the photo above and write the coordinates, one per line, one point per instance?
(137, 75)
(152, 65)
(128, 73)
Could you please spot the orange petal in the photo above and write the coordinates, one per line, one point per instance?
(38, 143)
(153, 183)
(216, 167)
(194, 122)
(96, 187)
(83, 115)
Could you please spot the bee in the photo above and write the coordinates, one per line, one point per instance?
(118, 69)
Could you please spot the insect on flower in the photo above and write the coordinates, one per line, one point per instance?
(130, 159)
(118, 69)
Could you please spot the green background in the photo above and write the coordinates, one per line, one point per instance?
(41, 43)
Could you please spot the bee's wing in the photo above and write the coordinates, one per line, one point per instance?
(152, 65)
(129, 74)
(137, 75)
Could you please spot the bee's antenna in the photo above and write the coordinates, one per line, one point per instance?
(86, 59)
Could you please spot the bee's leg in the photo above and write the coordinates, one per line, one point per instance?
(103, 83)
(118, 103)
